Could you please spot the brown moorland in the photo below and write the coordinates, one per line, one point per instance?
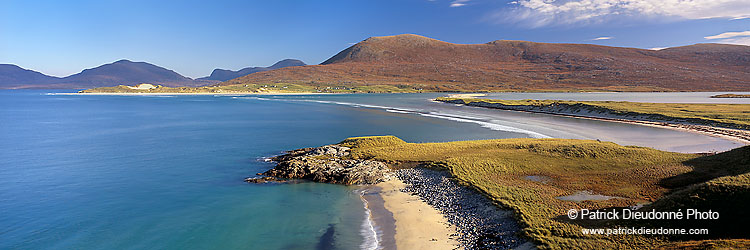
(421, 63)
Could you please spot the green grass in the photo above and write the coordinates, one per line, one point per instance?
(498, 168)
(732, 115)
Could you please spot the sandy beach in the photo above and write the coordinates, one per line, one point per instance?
(205, 93)
(471, 95)
(738, 135)
(418, 225)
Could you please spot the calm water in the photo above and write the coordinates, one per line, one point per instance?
(105, 172)
(148, 172)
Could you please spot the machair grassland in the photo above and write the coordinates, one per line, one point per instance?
(636, 175)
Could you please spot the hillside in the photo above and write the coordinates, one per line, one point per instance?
(12, 76)
(427, 64)
(107, 75)
(223, 74)
(123, 72)
(128, 72)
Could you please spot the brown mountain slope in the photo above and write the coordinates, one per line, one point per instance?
(433, 65)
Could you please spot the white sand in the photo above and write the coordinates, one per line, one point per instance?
(418, 225)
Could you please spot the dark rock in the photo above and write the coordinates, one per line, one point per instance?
(329, 164)
(265, 179)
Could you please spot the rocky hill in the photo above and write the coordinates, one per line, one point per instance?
(122, 72)
(12, 76)
(128, 72)
(433, 65)
(223, 74)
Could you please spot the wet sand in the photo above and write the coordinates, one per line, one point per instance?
(381, 218)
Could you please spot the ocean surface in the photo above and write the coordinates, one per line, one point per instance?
(166, 172)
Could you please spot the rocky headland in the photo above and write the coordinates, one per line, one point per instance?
(469, 205)
(329, 164)
(478, 222)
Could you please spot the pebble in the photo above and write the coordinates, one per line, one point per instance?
(480, 224)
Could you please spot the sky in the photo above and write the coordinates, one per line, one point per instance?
(61, 38)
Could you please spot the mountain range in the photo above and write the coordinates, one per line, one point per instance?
(419, 63)
(432, 65)
(223, 74)
(122, 72)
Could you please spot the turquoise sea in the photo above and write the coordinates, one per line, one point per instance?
(166, 172)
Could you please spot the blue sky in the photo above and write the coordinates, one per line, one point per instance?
(193, 37)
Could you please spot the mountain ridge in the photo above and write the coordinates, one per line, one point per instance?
(125, 72)
(505, 65)
(224, 74)
(12, 75)
(120, 72)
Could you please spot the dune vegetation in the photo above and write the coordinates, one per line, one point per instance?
(730, 96)
(723, 115)
(529, 175)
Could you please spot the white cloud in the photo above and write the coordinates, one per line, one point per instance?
(548, 12)
(458, 3)
(602, 38)
(729, 35)
(739, 37)
(737, 40)
(658, 48)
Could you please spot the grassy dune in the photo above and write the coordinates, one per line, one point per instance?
(501, 169)
(733, 115)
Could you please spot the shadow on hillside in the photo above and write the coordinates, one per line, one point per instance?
(733, 162)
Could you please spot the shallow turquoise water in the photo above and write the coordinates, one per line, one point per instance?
(145, 172)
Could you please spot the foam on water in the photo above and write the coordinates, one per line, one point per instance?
(368, 231)
(489, 125)
(452, 117)
(397, 111)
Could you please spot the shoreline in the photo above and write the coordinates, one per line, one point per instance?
(415, 224)
(469, 95)
(430, 211)
(224, 94)
(412, 208)
(737, 135)
(724, 133)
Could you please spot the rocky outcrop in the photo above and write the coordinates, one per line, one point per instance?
(265, 179)
(329, 164)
